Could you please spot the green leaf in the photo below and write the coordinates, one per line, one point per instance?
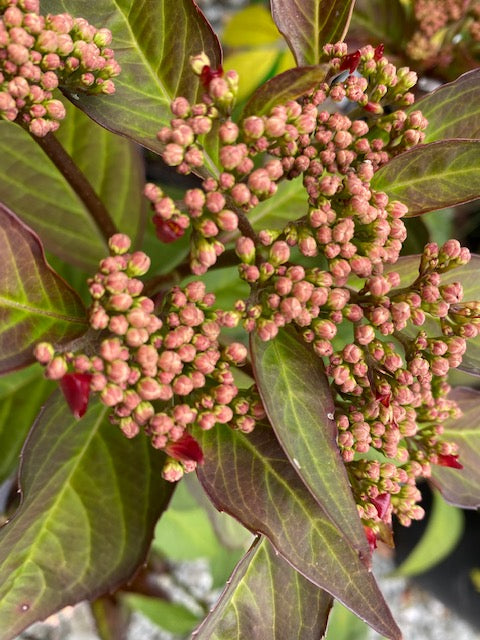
(251, 27)
(453, 110)
(153, 41)
(343, 625)
(303, 422)
(467, 275)
(418, 236)
(442, 534)
(307, 25)
(22, 393)
(461, 487)
(264, 598)
(91, 499)
(35, 303)
(171, 616)
(32, 186)
(230, 533)
(433, 176)
(250, 478)
(289, 202)
(173, 536)
(290, 85)
(253, 66)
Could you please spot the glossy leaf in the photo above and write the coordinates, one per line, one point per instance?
(266, 599)
(90, 501)
(443, 531)
(290, 85)
(252, 26)
(254, 67)
(152, 42)
(32, 186)
(343, 625)
(172, 616)
(434, 176)
(303, 422)
(467, 275)
(22, 393)
(250, 478)
(229, 531)
(307, 25)
(461, 487)
(289, 201)
(35, 303)
(453, 110)
(174, 540)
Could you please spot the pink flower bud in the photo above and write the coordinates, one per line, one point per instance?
(172, 470)
(227, 220)
(364, 334)
(138, 264)
(279, 253)
(182, 385)
(44, 352)
(245, 249)
(136, 337)
(236, 353)
(111, 395)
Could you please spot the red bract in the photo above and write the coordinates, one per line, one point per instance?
(76, 389)
(371, 538)
(186, 449)
(383, 398)
(381, 504)
(208, 74)
(378, 52)
(350, 62)
(449, 461)
(168, 230)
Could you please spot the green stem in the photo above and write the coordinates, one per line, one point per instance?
(79, 183)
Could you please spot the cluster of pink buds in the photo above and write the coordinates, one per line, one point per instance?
(388, 376)
(39, 54)
(336, 155)
(162, 374)
(443, 27)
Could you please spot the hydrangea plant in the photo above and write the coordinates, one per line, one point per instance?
(310, 394)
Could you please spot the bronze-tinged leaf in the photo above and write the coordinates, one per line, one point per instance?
(432, 176)
(461, 487)
(35, 303)
(453, 110)
(90, 501)
(152, 40)
(307, 25)
(250, 477)
(266, 599)
(33, 187)
(296, 395)
(382, 21)
(289, 85)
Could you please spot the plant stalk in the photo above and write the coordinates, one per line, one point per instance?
(79, 183)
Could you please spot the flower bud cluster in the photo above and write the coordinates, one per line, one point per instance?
(38, 54)
(162, 375)
(336, 155)
(445, 29)
(389, 387)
